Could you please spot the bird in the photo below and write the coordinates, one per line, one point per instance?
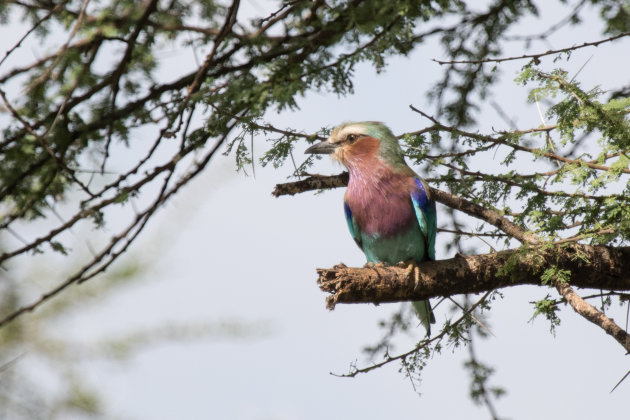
(389, 209)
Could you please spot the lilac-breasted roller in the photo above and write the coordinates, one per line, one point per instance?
(389, 209)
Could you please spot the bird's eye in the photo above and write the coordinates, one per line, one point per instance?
(352, 138)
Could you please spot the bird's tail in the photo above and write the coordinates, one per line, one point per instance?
(424, 312)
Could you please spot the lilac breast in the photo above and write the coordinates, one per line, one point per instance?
(380, 202)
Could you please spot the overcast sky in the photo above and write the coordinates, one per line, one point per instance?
(225, 250)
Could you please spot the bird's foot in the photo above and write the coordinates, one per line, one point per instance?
(373, 265)
(413, 273)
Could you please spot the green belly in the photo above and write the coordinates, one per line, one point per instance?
(409, 244)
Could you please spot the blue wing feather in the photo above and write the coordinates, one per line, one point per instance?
(424, 207)
(352, 225)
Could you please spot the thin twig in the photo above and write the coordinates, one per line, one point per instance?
(620, 381)
(422, 344)
(501, 140)
(535, 57)
(35, 25)
(472, 316)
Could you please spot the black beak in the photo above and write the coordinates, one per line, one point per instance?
(322, 148)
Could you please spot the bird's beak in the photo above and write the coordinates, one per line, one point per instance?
(322, 148)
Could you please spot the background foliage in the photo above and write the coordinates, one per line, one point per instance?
(94, 126)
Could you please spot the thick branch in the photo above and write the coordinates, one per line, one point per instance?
(597, 267)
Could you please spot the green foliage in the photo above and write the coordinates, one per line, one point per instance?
(555, 275)
(549, 309)
(84, 103)
(90, 96)
(80, 110)
(616, 15)
(56, 246)
(480, 373)
(84, 401)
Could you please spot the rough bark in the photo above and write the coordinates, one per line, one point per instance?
(596, 267)
(313, 182)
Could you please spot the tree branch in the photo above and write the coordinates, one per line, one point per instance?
(501, 139)
(313, 182)
(534, 57)
(597, 267)
(589, 312)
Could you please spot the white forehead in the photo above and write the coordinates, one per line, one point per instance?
(340, 133)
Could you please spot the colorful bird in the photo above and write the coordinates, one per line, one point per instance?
(388, 207)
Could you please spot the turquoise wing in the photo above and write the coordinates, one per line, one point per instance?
(424, 207)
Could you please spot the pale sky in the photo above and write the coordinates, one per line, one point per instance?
(225, 250)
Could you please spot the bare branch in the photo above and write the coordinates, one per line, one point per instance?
(36, 25)
(552, 29)
(602, 267)
(535, 57)
(421, 345)
(314, 182)
(501, 139)
(110, 254)
(230, 20)
(594, 315)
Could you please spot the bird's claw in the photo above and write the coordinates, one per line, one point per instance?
(413, 270)
(373, 265)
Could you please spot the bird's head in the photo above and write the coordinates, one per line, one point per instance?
(351, 143)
